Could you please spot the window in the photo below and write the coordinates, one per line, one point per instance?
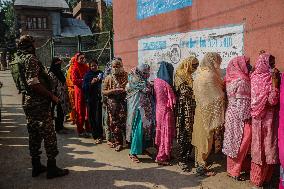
(36, 23)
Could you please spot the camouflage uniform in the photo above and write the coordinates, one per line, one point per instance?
(38, 112)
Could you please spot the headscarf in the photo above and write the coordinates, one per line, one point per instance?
(208, 89)
(237, 69)
(166, 72)
(56, 70)
(184, 71)
(119, 79)
(82, 68)
(118, 70)
(261, 85)
(138, 77)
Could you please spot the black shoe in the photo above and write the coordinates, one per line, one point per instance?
(38, 168)
(53, 171)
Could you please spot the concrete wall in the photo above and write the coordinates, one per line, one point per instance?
(263, 20)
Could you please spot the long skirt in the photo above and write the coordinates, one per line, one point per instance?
(261, 173)
(137, 136)
(117, 110)
(235, 165)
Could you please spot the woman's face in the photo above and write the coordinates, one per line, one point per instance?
(272, 62)
(94, 67)
(81, 59)
(194, 66)
(217, 64)
(116, 68)
(146, 74)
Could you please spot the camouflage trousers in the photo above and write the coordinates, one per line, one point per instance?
(41, 128)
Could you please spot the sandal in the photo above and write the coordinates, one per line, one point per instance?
(237, 178)
(164, 163)
(118, 148)
(201, 171)
(134, 158)
(98, 141)
(110, 144)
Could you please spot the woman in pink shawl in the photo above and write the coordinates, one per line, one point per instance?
(281, 133)
(165, 123)
(264, 97)
(237, 136)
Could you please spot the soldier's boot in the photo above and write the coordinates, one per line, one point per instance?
(53, 171)
(38, 168)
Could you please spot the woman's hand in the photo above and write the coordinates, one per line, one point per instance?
(275, 78)
(95, 80)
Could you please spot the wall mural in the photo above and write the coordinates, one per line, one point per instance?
(147, 8)
(227, 41)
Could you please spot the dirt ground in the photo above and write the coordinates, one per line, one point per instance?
(91, 165)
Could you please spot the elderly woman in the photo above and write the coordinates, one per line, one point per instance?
(165, 122)
(185, 109)
(264, 101)
(237, 137)
(208, 89)
(114, 89)
(140, 121)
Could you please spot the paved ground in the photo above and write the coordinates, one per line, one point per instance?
(92, 166)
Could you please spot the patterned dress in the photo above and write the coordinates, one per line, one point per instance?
(116, 106)
(237, 112)
(185, 118)
(165, 122)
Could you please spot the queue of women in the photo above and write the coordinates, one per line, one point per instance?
(238, 114)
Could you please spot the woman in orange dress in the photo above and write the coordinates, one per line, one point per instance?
(70, 85)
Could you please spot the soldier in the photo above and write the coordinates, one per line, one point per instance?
(36, 104)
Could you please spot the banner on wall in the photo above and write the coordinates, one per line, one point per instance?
(227, 41)
(147, 8)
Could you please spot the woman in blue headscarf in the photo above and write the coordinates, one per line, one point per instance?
(165, 121)
(140, 113)
(92, 89)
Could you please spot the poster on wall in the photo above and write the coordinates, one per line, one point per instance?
(147, 8)
(227, 41)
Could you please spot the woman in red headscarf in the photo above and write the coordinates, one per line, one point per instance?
(80, 68)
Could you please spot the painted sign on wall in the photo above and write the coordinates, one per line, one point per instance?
(147, 8)
(227, 41)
